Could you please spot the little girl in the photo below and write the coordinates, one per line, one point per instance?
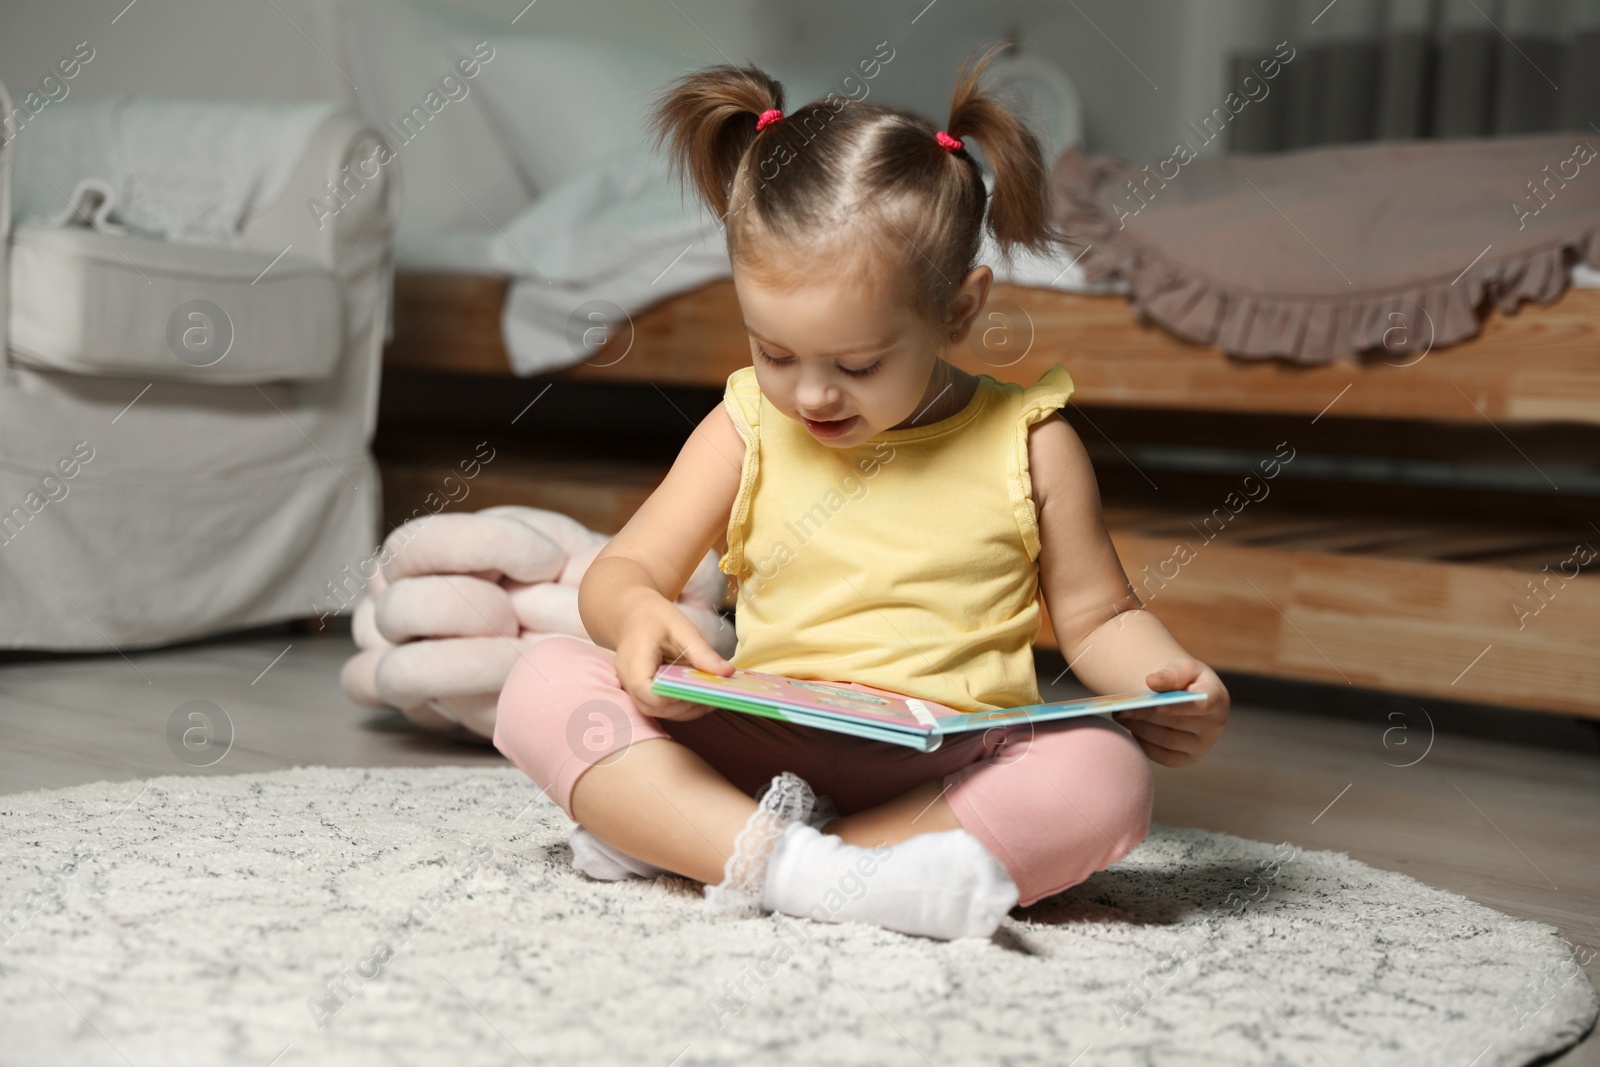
(890, 520)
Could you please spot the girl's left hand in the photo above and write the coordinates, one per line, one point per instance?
(1179, 734)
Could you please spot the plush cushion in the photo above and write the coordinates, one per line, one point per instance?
(446, 667)
(461, 595)
(567, 532)
(486, 546)
(444, 605)
(86, 302)
(547, 607)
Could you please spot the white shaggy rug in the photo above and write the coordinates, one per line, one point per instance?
(352, 917)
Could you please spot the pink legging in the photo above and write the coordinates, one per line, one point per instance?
(1054, 803)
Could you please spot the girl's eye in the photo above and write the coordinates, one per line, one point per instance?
(862, 373)
(768, 357)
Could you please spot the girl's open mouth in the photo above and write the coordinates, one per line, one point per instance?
(837, 428)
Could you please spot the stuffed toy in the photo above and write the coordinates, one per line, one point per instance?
(458, 597)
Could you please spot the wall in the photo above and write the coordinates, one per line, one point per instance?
(1142, 66)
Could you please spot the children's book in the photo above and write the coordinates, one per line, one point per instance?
(874, 713)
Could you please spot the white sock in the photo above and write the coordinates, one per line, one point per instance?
(598, 860)
(944, 885)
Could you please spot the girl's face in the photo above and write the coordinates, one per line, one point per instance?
(845, 362)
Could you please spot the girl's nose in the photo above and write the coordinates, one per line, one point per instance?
(815, 393)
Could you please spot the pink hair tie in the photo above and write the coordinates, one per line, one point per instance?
(946, 141)
(767, 119)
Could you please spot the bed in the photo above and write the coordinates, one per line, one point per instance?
(1412, 586)
(1413, 547)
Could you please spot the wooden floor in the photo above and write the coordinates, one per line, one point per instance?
(1499, 806)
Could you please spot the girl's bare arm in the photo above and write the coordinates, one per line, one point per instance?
(625, 599)
(1112, 643)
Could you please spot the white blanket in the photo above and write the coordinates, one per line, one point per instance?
(179, 170)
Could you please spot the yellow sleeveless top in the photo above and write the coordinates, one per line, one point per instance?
(908, 563)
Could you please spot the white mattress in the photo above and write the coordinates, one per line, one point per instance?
(616, 239)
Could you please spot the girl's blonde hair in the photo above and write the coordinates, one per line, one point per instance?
(864, 188)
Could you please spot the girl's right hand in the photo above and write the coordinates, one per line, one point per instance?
(653, 633)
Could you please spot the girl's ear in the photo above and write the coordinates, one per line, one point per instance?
(969, 301)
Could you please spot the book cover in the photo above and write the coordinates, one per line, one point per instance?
(865, 711)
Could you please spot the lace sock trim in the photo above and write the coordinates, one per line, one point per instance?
(787, 799)
(823, 813)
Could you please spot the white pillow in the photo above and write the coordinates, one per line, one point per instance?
(397, 53)
(568, 102)
(616, 211)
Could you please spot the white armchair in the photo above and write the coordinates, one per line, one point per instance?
(185, 430)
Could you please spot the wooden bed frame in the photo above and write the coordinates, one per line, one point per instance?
(1422, 607)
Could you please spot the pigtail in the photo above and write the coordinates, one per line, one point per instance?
(1019, 203)
(709, 119)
